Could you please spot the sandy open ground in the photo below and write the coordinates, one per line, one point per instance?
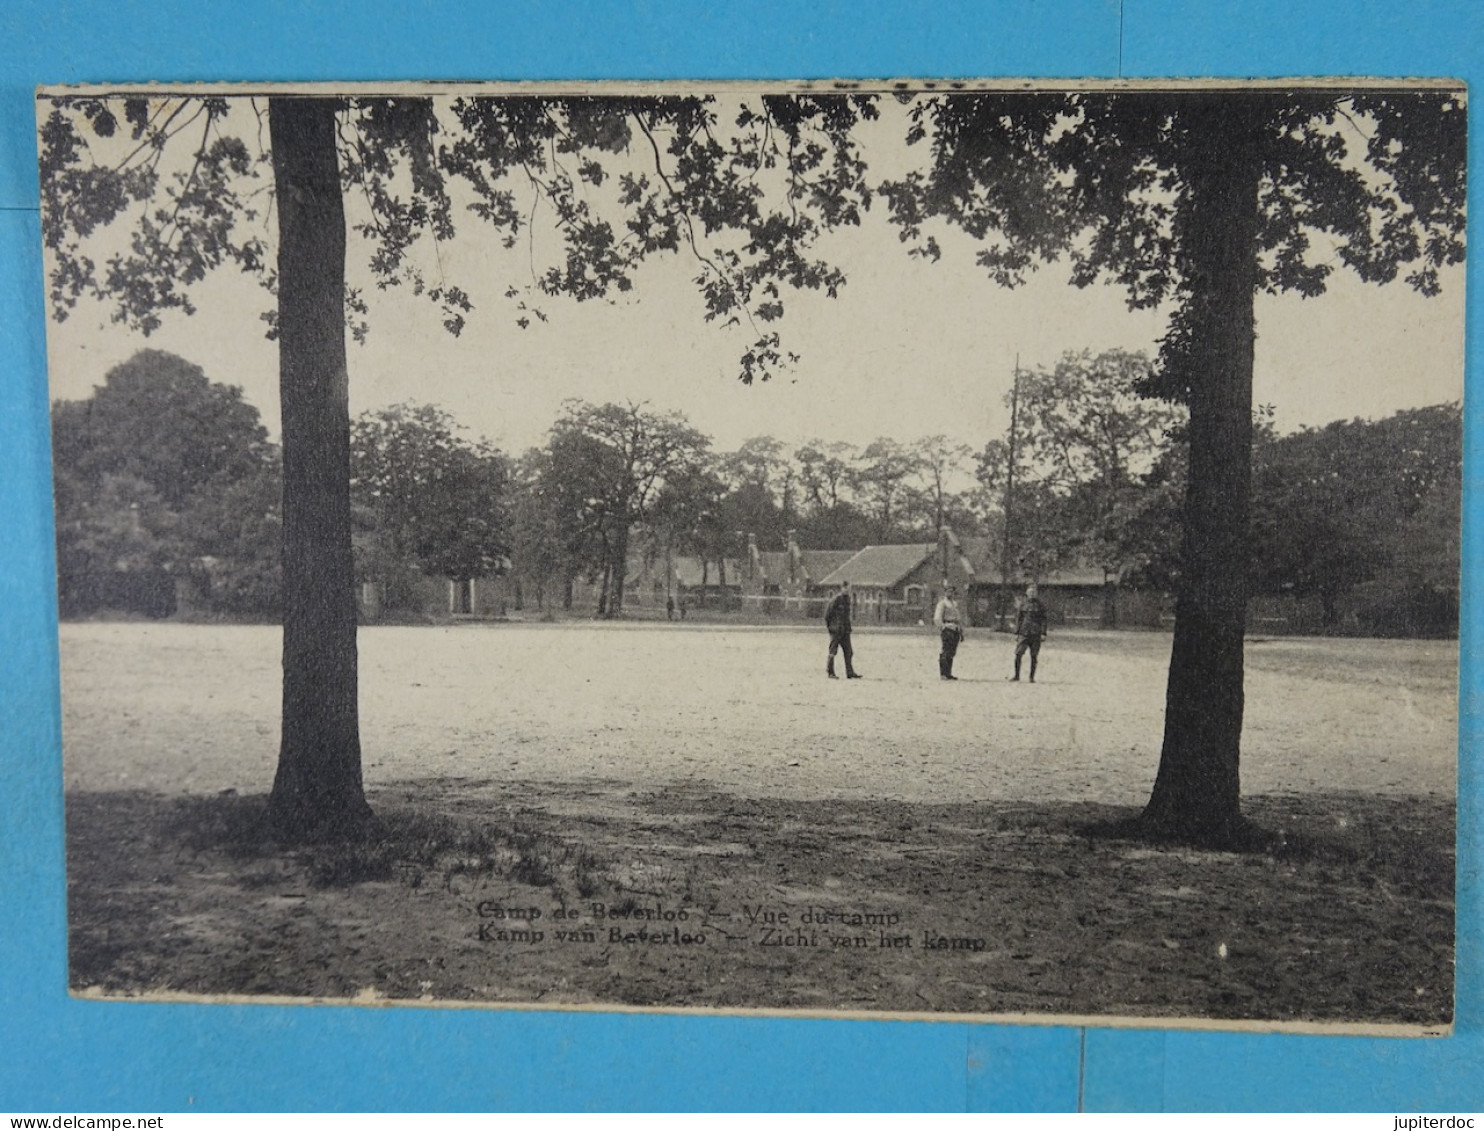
(194, 709)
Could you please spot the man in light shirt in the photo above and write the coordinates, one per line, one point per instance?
(950, 630)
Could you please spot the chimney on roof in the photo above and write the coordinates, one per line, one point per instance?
(793, 557)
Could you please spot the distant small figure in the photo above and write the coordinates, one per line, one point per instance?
(684, 606)
(950, 631)
(837, 621)
(1030, 630)
(670, 607)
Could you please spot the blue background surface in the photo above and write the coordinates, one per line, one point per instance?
(58, 1054)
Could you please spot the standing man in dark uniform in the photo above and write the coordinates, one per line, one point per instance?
(1030, 629)
(950, 631)
(837, 620)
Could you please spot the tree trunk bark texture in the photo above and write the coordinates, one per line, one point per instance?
(1196, 795)
(317, 791)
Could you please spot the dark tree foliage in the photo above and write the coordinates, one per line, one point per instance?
(439, 498)
(621, 457)
(761, 499)
(117, 546)
(690, 517)
(538, 543)
(158, 417)
(824, 472)
(882, 478)
(578, 494)
(1149, 534)
(185, 222)
(1034, 530)
(1085, 439)
(1199, 200)
(932, 503)
(1354, 502)
(840, 527)
(235, 534)
(162, 476)
(750, 509)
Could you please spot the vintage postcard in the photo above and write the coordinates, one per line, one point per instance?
(939, 550)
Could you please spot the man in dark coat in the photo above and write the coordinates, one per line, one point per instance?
(837, 620)
(1030, 630)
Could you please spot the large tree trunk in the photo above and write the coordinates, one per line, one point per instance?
(1196, 794)
(317, 791)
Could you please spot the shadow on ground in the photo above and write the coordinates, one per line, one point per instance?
(599, 893)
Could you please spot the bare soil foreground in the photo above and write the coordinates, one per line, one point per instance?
(691, 816)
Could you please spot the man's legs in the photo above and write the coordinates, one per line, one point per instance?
(840, 642)
(1035, 643)
(946, 654)
(1020, 646)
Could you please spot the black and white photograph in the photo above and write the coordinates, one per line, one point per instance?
(905, 549)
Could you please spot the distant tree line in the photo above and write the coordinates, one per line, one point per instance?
(425, 500)
(168, 491)
(1365, 511)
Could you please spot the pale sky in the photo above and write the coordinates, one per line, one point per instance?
(908, 349)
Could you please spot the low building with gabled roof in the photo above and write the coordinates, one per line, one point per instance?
(788, 581)
(901, 583)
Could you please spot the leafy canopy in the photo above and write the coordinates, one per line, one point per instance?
(745, 190)
(439, 497)
(1371, 179)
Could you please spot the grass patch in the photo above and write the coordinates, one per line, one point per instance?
(228, 822)
(400, 843)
